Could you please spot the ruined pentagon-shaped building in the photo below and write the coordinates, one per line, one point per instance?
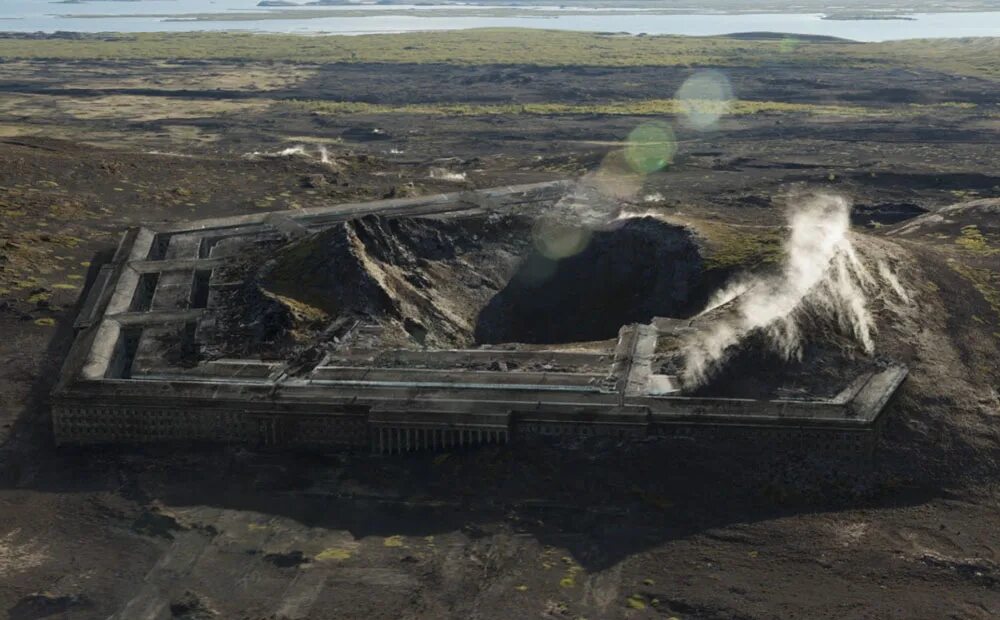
(419, 323)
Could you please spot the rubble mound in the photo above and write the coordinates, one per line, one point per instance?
(418, 279)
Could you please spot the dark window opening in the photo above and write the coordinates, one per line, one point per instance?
(158, 249)
(121, 362)
(207, 245)
(200, 289)
(142, 300)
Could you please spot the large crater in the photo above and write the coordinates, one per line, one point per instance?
(628, 272)
(458, 282)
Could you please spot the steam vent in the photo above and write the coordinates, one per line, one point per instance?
(431, 323)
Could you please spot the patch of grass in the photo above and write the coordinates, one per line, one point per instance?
(638, 107)
(986, 282)
(730, 247)
(509, 46)
(636, 601)
(967, 56)
(32, 254)
(973, 240)
(394, 541)
(161, 75)
(334, 554)
(480, 46)
(140, 108)
(952, 105)
(572, 570)
(39, 297)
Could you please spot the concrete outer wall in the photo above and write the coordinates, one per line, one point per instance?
(87, 422)
(99, 423)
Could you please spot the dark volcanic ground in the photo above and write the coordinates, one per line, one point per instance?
(583, 531)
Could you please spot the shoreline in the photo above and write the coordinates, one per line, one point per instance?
(747, 35)
(881, 28)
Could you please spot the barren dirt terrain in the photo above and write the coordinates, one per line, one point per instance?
(94, 141)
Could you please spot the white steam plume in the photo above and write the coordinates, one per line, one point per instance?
(891, 279)
(299, 150)
(291, 151)
(822, 277)
(443, 174)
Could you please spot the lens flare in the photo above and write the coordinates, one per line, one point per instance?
(704, 98)
(615, 179)
(536, 271)
(556, 239)
(788, 45)
(650, 147)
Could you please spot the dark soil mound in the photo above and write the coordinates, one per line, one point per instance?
(388, 269)
(755, 370)
(343, 270)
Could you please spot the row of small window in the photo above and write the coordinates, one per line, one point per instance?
(329, 424)
(581, 429)
(792, 437)
(98, 431)
(139, 424)
(824, 439)
(146, 416)
(170, 429)
(156, 421)
(444, 434)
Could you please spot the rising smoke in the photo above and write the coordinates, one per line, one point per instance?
(443, 174)
(823, 278)
(322, 154)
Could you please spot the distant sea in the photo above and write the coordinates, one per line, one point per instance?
(130, 16)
